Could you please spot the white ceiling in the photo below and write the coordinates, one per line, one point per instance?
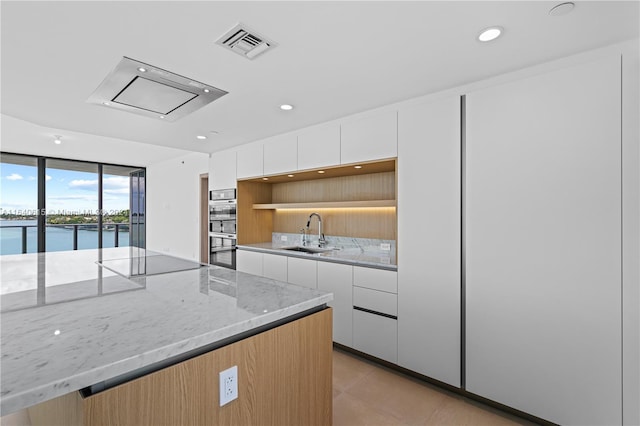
(332, 59)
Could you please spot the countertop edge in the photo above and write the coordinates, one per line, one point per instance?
(16, 402)
(281, 252)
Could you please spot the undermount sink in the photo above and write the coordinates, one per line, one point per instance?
(304, 249)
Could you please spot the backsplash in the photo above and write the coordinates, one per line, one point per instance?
(370, 246)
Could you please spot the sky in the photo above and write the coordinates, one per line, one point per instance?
(67, 191)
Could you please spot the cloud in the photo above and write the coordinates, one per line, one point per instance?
(31, 178)
(48, 177)
(111, 184)
(14, 176)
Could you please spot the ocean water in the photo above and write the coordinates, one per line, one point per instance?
(57, 239)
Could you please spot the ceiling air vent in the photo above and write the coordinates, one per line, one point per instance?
(143, 89)
(245, 42)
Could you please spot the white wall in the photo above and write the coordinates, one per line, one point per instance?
(173, 202)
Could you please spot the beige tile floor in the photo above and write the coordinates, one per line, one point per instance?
(365, 393)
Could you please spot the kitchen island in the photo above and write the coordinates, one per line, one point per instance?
(125, 335)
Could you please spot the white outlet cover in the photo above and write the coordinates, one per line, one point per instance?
(228, 385)
(283, 238)
(385, 246)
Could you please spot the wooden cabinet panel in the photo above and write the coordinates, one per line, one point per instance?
(250, 161)
(274, 266)
(429, 239)
(375, 335)
(302, 272)
(280, 154)
(222, 170)
(284, 378)
(543, 269)
(337, 279)
(319, 147)
(249, 262)
(370, 138)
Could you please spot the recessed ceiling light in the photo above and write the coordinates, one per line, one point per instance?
(162, 116)
(490, 33)
(142, 69)
(321, 171)
(562, 9)
(106, 103)
(357, 167)
(57, 140)
(265, 178)
(290, 175)
(206, 90)
(286, 107)
(201, 137)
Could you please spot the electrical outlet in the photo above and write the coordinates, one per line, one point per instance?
(385, 246)
(283, 238)
(228, 385)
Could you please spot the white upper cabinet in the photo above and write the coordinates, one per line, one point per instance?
(319, 147)
(222, 170)
(250, 161)
(280, 154)
(429, 239)
(543, 244)
(369, 138)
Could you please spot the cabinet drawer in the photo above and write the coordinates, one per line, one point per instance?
(375, 335)
(376, 279)
(379, 301)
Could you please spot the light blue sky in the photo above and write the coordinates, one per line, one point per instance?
(67, 191)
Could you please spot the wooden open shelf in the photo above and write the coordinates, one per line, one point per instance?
(327, 205)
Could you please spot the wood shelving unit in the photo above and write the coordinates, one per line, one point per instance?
(327, 205)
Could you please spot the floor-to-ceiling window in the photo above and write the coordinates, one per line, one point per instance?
(51, 204)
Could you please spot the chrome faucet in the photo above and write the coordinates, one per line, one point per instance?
(321, 241)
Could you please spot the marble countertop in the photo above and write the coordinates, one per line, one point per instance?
(67, 322)
(350, 256)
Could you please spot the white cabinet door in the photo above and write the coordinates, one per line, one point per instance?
(280, 154)
(429, 239)
(371, 138)
(222, 170)
(302, 272)
(249, 262)
(375, 335)
(274, 267)
(250, 161)
(337, 279)
(319, 147)
(543, 238)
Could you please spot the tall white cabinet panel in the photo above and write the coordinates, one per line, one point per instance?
(222, 170)
(250, 161)
(280, 154)
(429, 239)
(370, 138)
(337, 279)
(249, 262)
(319, 147)
(543, 238)
(274, 266)
(302, 272)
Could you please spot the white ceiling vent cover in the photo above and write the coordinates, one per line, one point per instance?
(147, 90)
(245, 42)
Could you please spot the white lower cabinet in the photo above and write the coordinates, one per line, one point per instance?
(375, 335)
(249, 262)
(274, 266)
(337, 279)
(302, 272)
